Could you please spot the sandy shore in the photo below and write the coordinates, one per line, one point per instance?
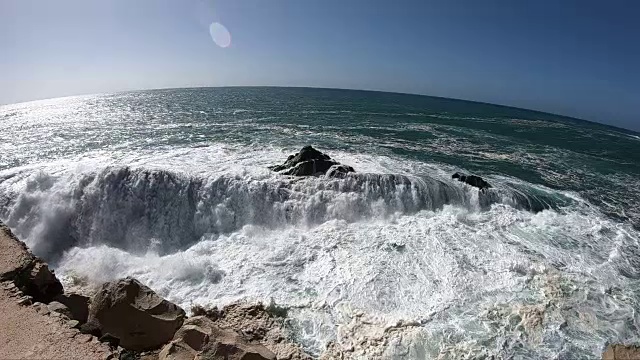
(27, 334)
(24, 332)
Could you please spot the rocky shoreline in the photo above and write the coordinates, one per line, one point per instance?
(124, 319)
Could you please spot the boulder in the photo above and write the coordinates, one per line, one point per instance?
(28, 272)
(133, 313)
(109, 339)
(200, 338)
(310, 162)
(621, 352)
(475, 181)
(56, 307)
(73, 324)
(41, 308)
(258, 323)
(78, 306)
(339, 171)
(91, 327)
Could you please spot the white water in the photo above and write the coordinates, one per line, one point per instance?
(418, 267)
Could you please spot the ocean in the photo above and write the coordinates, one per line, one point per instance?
(396, 261)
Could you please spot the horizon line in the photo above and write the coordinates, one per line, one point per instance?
(573, 118)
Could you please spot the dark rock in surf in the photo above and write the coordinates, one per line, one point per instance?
(475, 181)
(310, 162)
(340, 171)
(397, 247)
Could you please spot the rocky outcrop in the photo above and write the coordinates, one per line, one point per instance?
(133, 313)
(28, 272)
(475, 181)
(130, 318)
(200, 338)
(311, 162)
(621, 352)
(257, 323)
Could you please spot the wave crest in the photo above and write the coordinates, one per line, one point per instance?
(138, 209)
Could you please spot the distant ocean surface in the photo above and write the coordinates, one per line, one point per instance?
(397, 262)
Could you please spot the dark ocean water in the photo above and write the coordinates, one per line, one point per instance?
(171, 186)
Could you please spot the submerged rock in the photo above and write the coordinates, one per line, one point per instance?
(310, 162)
(472, 180)
(200, 338)
(339, 171)
(133, 313)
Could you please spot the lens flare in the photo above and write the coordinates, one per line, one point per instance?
(220, 35)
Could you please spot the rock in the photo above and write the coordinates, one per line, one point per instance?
(42, 283)
(339, 171)
(230, 347)
(56, 307)
(41, 308)
(194, 336)
(176, 350)
(212, 314)
(135, 314)
(475, 181)
(91, 327)
(130, 355)
(78, 306)
(9, 286)
(200, 338)
(397, 246)
(309, 162)
(25, 300)
(621, 352)
(85, 338)
(258, 323)
(28, 272)
(73, 324)
(110, 339)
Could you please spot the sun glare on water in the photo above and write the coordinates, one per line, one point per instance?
(220, 34)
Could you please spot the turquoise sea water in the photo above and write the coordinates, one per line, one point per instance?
(171, 186)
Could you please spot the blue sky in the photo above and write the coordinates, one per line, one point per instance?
(577, 58)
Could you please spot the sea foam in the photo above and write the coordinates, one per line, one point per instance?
(399, 261)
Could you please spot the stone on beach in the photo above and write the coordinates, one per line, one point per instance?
(137, 316)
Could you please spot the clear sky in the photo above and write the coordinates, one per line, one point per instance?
(573, 57)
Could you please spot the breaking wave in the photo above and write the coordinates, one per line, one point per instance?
(395, 261)
(136, 208)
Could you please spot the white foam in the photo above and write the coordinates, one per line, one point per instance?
(440, 270)
(363, 265)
